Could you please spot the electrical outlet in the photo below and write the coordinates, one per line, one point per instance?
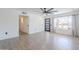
(6, 33)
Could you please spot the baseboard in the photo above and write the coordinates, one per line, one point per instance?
(10, 38)
(35, 32)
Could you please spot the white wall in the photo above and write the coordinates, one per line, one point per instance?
(77, 24)
(9, 23)
(27, 24)
(36, 23)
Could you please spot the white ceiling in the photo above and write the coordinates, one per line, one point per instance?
(38, 10)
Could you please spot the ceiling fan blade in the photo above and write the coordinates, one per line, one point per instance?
(50, 9)
(42, 9)
(53, 11)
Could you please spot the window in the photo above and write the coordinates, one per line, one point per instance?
(64, 23)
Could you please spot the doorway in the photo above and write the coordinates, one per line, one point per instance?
(63, 25)
(23, 24)
(47, 24)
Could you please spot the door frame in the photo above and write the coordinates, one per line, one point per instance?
(48, 24)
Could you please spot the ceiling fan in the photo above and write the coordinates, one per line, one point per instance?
(47, 11)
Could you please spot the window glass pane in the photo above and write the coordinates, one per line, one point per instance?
(64, 23)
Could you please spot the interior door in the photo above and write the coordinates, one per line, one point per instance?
(47, 24)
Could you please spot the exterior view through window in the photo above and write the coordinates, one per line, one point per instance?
(63, 25)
